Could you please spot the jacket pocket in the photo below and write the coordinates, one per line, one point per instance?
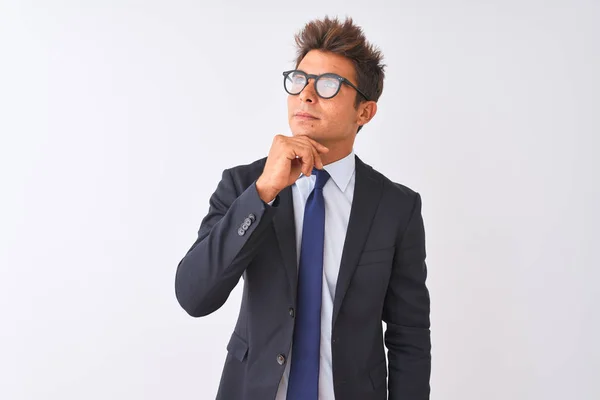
(237, 347)
(385, 255)
(378, 374)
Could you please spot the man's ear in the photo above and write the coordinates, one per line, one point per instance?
(366, 112)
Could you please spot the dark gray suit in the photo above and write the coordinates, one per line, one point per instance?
(382, 277)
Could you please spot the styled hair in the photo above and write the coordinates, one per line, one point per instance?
(348, 40)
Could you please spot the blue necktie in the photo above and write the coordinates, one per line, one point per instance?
(303, 382)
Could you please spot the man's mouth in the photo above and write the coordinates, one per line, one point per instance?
(304, 115)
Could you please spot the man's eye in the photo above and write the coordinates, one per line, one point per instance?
(329, 83)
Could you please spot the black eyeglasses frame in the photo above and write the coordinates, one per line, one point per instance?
(316, 79)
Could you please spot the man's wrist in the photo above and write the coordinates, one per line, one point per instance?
(268, 195)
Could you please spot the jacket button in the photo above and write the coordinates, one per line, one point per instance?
(281, 359)
(291, 311)
(248, 221)
(252, 217)
(241, 232)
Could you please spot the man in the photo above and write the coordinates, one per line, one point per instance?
(327, 247)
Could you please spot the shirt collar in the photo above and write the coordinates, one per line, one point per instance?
(341, 170)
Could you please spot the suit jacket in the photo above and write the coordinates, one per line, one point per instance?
(382, 277)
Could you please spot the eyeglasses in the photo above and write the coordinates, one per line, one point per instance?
(326, 85)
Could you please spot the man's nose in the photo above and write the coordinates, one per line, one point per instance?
(309, 94)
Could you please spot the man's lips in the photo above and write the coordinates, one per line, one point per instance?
(304, 115)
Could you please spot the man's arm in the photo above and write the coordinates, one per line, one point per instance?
(223, 250)
(406, 313)
(231, 233)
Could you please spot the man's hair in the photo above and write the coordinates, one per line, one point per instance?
(348, 40)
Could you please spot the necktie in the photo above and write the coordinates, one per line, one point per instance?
(303, 381)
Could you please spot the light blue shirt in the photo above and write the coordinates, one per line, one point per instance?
(338, 193)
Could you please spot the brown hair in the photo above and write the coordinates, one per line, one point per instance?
(348, 40)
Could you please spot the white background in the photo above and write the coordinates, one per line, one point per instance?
(117, 119)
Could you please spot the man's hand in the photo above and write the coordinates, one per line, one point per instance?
(287, 158)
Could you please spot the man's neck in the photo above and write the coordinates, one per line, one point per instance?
(336, 152)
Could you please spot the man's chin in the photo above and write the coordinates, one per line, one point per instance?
(311, 133)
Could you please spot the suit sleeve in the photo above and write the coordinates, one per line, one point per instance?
(227, 241)
(406, 313)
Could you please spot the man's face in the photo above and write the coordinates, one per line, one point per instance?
(327, 121)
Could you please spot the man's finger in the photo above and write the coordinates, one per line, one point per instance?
(320, 148)
(317, 158)
(308, 160)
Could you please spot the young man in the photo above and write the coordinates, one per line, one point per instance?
(327, 247)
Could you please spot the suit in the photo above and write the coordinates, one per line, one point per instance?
(382, 276)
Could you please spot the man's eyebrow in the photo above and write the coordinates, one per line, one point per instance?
(322, 73)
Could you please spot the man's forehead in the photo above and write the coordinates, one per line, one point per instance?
(317, 62)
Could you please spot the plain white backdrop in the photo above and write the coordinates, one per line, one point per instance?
(118, 117)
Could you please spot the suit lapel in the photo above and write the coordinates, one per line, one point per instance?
(367, 193)
(285, 229)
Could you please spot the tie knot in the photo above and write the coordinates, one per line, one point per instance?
(322, 177)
